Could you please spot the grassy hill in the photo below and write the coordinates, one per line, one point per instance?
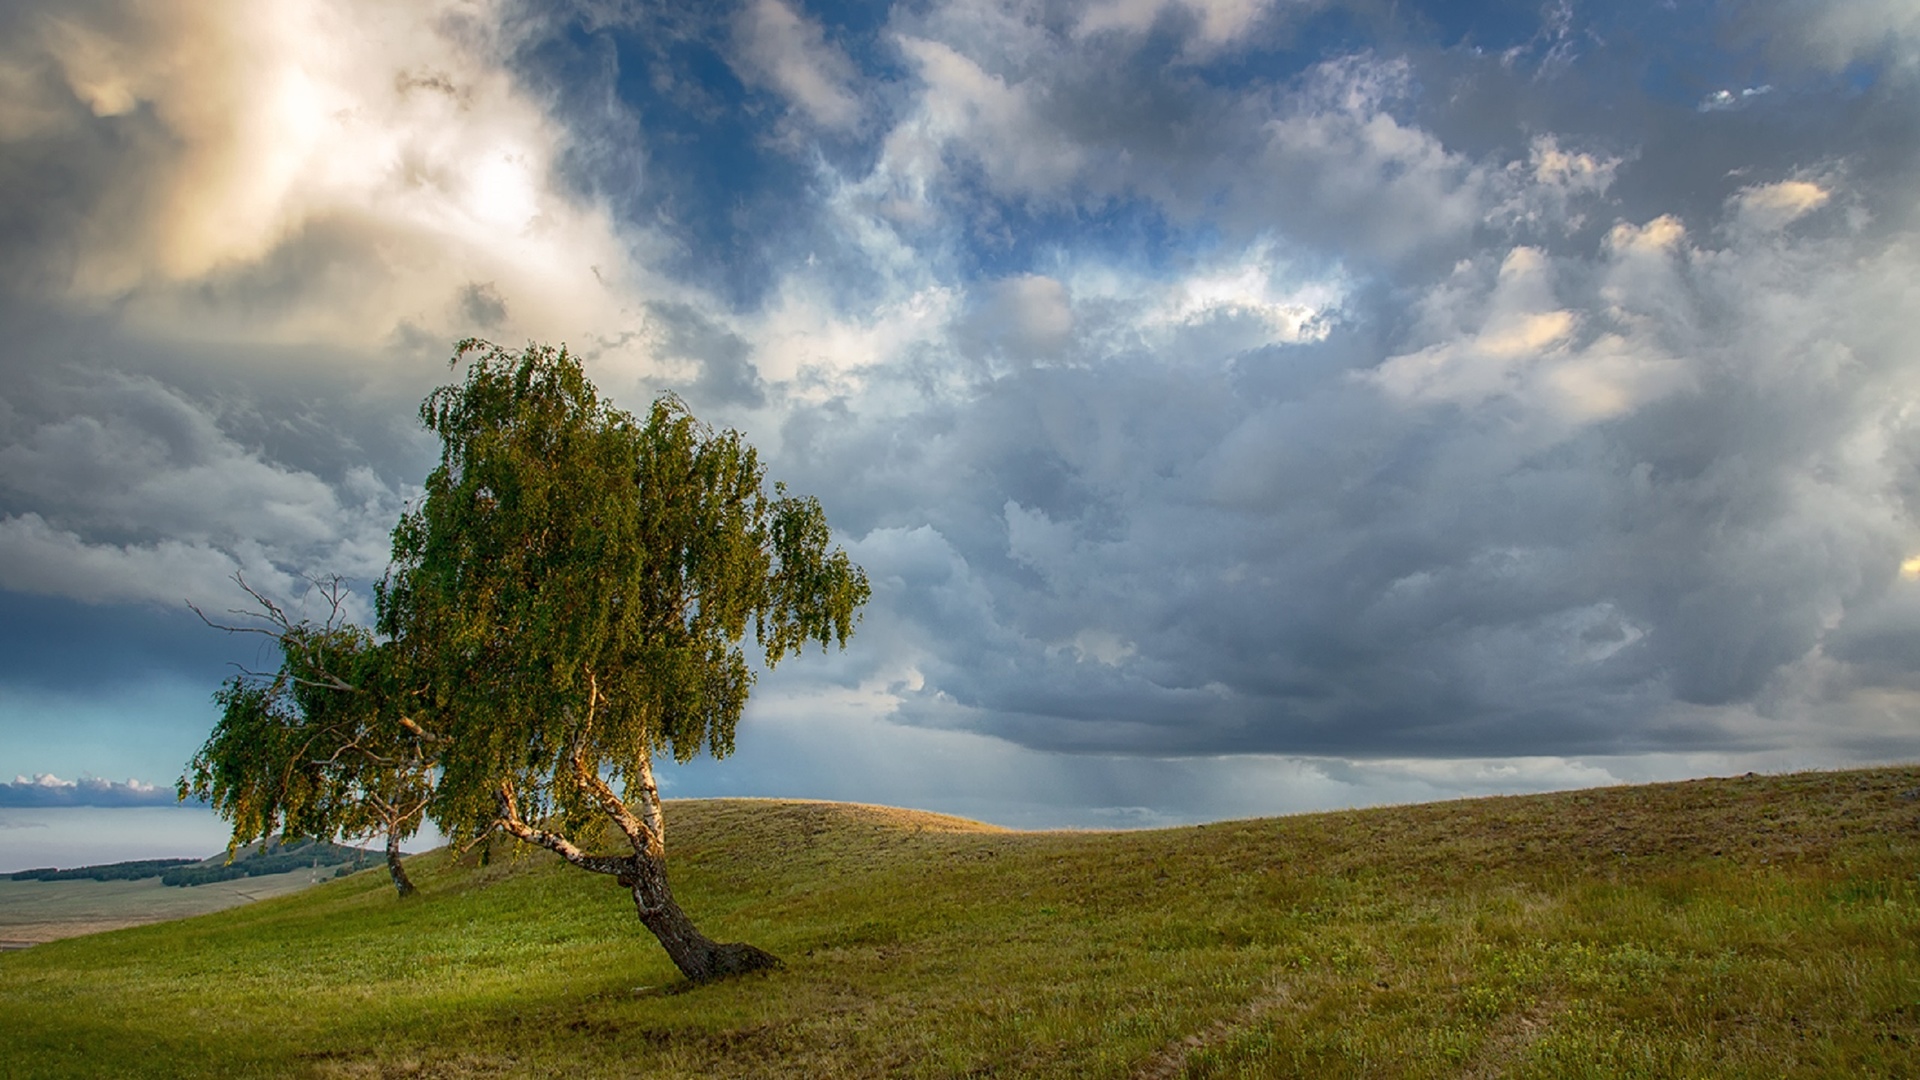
(1760, 926)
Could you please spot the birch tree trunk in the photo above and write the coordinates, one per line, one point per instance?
(401, 883)
(698, 957)
(644, 873)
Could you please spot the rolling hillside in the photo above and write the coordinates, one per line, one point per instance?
(1757, 926)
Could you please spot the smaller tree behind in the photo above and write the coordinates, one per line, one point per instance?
(318, 747)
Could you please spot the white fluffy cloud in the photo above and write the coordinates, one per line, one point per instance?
(48, 790)
(1531, 349)
(309, 172)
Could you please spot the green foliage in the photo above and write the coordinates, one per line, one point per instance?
(318, 748)
(134, 870)
(574, 589)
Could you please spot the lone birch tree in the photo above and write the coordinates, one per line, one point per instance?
(571, 599)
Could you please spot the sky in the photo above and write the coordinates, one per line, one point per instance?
(1241, 407)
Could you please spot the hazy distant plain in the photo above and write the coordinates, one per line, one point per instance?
(32, 912)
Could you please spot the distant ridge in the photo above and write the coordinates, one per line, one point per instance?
(274, 855)
(133, 870)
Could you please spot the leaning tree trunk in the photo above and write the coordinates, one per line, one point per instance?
(644, 874)
(401, 882)
(699, 957)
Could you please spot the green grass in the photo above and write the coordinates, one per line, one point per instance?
(1764, 926)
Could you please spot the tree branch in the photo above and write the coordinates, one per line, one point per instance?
(423, 733)
(642, 838)
(617, 866)
(281, 628)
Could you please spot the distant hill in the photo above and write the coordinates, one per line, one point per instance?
(120, 871)
(273, 856)
(46, 905)
(276, 855)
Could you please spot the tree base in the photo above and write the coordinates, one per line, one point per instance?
(736, 958)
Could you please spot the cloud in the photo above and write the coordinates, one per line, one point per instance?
(140, 496)
(1333, 157)
(316, 172)
(48, 790)
(784, 50)
(1773, 206)
(1214, 23)
(1029, 317)
(1834, 35)
(722, 359)
(1552, 188)
(1725, 100)
(1386, 184)
(41, 559)
(1530, 349)
(1598, 501)
(982, 114)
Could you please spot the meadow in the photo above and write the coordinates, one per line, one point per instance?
(1752, 926)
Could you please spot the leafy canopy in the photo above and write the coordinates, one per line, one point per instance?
(315, 749)
(575, 587)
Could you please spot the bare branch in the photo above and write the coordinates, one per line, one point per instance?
(334, 589)
(616, 866)
(282, 629)
(224, 627)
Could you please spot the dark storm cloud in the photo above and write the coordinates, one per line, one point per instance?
(482, 305)
(123, 646)
(1584, 495)
(727, 375)
(66, 172)
(117, 487)
(1435, 545)
(1397, 154)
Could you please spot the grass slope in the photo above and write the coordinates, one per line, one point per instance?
(1763, 926)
